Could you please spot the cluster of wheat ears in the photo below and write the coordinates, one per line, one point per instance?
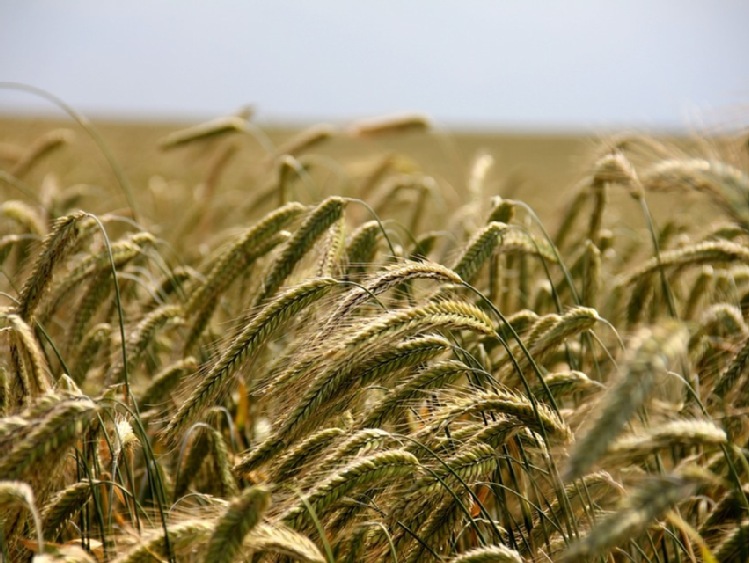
(354, 377)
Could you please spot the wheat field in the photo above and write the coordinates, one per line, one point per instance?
(324, 346)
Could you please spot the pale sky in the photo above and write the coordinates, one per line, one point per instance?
(576, 64)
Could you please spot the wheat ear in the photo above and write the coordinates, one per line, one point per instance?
(54, 248)
(732, 374)
(63, 507)
(255, 333)
(215, 128)
(712, 252)
(305, 140)
(322, 217)
(50, 437)
(649, 356)
(489, 554)
(435, 376)
(336, 381)
(563, 384)
(247, 248)
(725, 184)
(241, 516)
(25, 215)
(683, 433)
(634, 515)
(13, 492)
(536, 416)
(478, 250)
(278, 539)
(447, 314)
(302, 453)
(542, 340)
(185, 538)
(389, 125)
(363, 472)
(40, 371)
(502, 211)
(357, 444)
(361, 248)
(390, 278)
(330, 265)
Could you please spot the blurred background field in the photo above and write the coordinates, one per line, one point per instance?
(541, 169)
(528, 164)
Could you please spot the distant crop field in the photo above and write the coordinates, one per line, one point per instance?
(531, 164)
(373, 342)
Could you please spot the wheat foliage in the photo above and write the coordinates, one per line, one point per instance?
(342, 356)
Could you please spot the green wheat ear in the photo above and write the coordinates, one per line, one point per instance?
(318, 221)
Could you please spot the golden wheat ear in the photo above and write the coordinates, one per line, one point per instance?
(63, 508)
(305, 140)
(184, 539)
(489, 554)
(213, 129)
(388, 125)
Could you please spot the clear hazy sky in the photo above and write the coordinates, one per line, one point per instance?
(504, 63)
